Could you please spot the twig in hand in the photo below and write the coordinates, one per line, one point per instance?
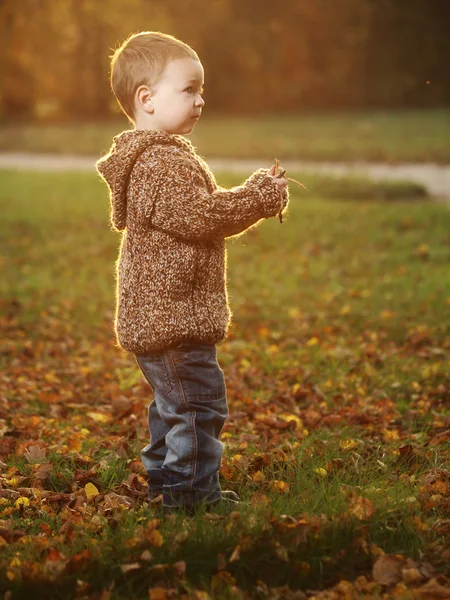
(279, 176)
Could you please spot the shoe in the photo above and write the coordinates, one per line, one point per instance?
(229, 502)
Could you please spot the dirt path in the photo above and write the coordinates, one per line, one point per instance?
(436, 178)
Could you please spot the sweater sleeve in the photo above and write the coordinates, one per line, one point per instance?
(181, 204)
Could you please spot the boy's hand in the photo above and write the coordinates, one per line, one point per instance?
(279, 179)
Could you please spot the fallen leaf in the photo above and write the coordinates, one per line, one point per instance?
(35, 455)
(387, 569)
(90, 490)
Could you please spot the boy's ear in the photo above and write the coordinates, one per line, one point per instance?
(143, 98)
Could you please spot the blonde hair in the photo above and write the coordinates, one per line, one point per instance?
(141, 60)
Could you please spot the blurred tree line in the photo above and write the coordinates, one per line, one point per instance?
(258, 55)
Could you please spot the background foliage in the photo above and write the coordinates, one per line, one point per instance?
(54, 57)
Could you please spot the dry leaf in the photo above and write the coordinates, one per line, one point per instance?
(362, 508)
(130, 567)
(387, 570)
(432, 590)
(35, 454)
(236, 554)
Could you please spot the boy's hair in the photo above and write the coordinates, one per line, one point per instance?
(141, 60)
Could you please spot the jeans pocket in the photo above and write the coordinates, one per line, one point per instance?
(155, 372)
(198, 371)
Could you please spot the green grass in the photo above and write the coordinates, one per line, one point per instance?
(340, 317)
(376, 135)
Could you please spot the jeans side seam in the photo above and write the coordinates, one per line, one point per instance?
(193, 459)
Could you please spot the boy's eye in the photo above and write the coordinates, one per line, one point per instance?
(191, 88)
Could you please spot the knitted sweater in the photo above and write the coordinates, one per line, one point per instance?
(171, 283)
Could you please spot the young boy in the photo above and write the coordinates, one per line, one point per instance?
(171, 297)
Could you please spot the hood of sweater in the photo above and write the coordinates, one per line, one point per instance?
(115, 167)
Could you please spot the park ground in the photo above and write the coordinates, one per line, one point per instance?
(337, 371)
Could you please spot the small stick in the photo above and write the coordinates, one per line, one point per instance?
(279, 176)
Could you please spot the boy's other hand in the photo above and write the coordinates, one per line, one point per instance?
(281, 181)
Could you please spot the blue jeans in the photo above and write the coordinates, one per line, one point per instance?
(185, 419)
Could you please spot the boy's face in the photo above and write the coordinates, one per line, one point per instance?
(176, 103)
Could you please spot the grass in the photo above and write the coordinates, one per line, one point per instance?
(372, 135)
(337, 380)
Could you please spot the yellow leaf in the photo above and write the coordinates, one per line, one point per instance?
(12, 573)
(348, 444)
(386, 314)
(291, 417)
(13, 482)
(22, 501)
(345, 590)
(345, 310)
(279, 486)
(320, 471)
(423, 249)
(99, 417)
(245, 363)
(155, 538)
(52, 378)
(389, 435)
(258, 476)
(90, 490)
(312, 341)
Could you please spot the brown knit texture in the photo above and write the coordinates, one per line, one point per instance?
(171, 281)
